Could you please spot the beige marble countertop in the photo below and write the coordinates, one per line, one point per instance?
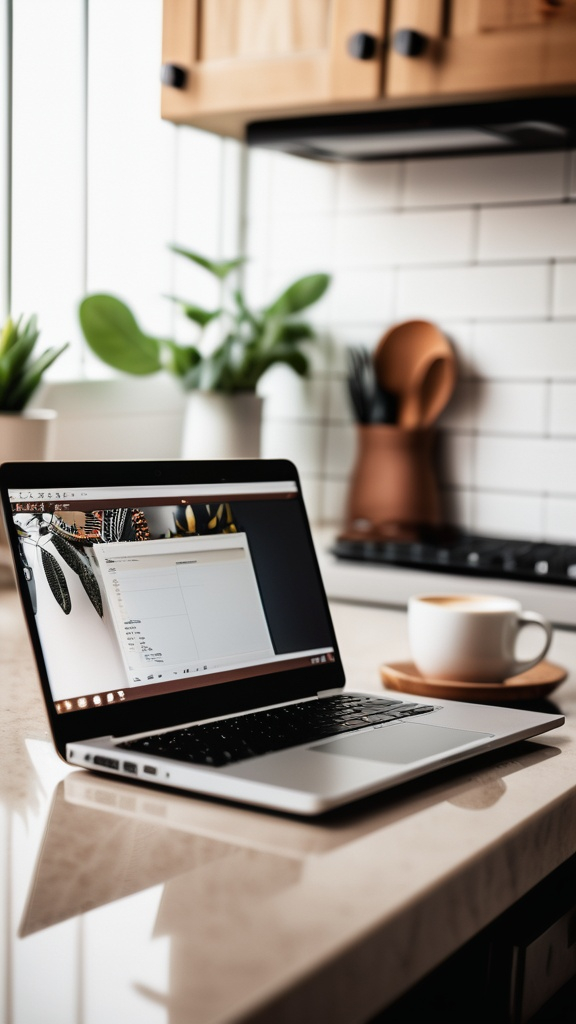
(122, 903)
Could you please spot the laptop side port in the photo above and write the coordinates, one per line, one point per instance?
(130, 766)
(150, 770)
(106, 762)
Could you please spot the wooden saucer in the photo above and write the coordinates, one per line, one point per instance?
(532, 685)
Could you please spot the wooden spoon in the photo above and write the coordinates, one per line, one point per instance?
(415, 361)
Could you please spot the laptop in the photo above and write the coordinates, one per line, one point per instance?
(183, 639)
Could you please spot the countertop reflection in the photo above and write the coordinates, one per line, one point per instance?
(134, 904)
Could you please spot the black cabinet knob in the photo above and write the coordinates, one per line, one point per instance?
(409, 43)
(173, 76)
(362, 46)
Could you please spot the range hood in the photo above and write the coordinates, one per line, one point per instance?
(497, 127)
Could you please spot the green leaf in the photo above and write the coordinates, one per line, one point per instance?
(30, 379)
(294, 331)
(180, 359)
(114, 335)
(262, 362)
(18, 354)
(196, 313)
(299, 295)
(246, 314)
(9, 335)
(220, 268)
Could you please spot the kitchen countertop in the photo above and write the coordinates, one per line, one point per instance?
(127, 903)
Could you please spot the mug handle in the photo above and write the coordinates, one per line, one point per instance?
(527, 619)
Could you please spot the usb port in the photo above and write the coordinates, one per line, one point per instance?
(150, 770)
(129, 766)
(106, 762)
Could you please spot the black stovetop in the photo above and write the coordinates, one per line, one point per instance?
(470, 555)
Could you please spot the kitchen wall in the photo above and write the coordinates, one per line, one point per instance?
(93, 186)
(483, 246)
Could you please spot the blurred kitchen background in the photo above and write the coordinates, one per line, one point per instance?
(94, 185)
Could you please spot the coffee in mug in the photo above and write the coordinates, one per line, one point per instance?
(470, 638)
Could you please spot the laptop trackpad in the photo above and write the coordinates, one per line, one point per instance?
(402, 743)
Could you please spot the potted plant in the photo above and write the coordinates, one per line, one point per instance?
(224, 416)
(24, 433)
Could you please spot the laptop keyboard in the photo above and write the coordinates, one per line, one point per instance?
(261, 732)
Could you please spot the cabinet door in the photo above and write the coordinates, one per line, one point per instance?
(259, 56)
(471, 46)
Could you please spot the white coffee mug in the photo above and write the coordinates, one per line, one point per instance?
(470, 638)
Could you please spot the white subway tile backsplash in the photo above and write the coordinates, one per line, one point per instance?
(526, 465)
(528, 232)
(435, 237)
(455, 459)
(371, 186)
(507, 441)
(564, 303)
(563, 409)
(457, 507)
(341, 449)
(508, 515)
(312, 494)
(255, 273)
(460, 411)
(525, 351)
(475, 292)
(559, 467)
(363, 240)
(510, 408)
(259, 178)
(344, 335)
(199, 184)
(510, 464)
(460, 337)
(339, 403)
(404, 239)
(560, 520)
(300, 442)
(334, 502)
(484, 179)
(301, 186)
(302, 242)
(362, 296)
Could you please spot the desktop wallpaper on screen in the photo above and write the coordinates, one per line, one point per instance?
(136, 594)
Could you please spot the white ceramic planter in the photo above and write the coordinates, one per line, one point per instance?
(219, 426)
(24, 436)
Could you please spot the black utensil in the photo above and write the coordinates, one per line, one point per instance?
(371, 403)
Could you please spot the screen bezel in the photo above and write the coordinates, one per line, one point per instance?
(162, 711)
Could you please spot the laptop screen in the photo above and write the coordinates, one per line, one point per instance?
(140, 591)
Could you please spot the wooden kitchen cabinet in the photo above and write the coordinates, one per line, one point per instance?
(229, 62)
(236, 60)
(479, 46)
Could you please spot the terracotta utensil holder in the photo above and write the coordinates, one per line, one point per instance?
(393, 490)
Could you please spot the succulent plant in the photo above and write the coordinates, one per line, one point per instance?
(20, 370)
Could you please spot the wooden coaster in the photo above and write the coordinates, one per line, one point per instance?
(532, 685)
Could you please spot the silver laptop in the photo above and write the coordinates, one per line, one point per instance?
(183, 639)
